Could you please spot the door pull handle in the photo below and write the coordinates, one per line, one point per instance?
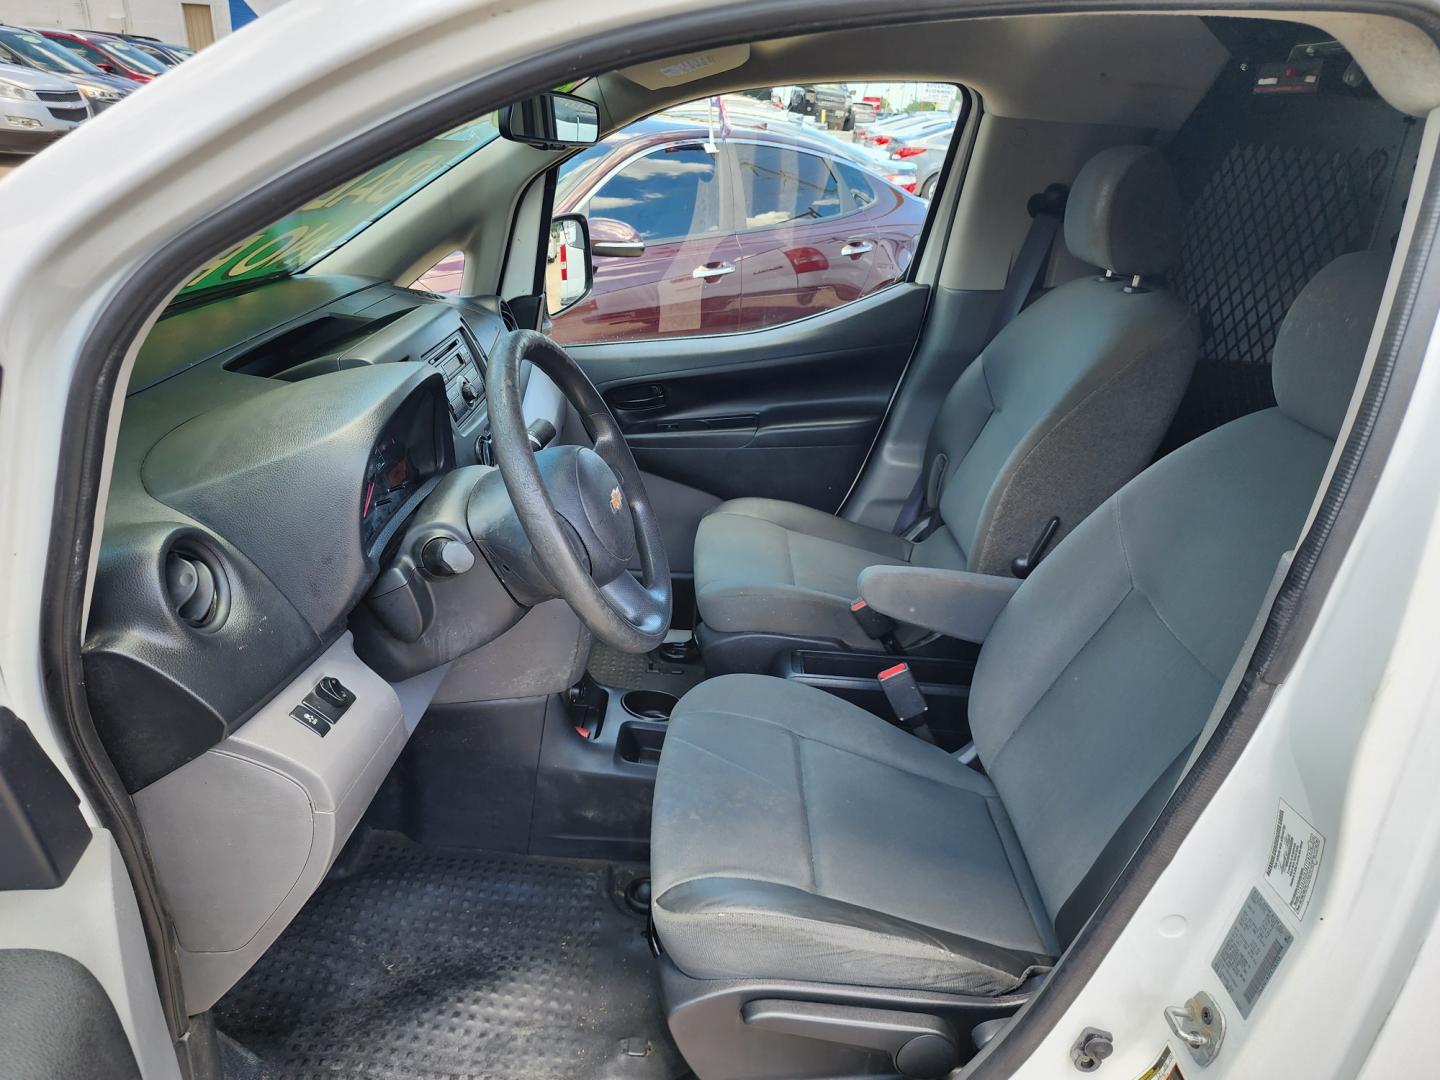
(711, 271)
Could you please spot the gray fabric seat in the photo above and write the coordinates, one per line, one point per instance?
(795, 836)
(1067, 402)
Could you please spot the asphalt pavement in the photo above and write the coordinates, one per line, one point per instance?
(9, 162)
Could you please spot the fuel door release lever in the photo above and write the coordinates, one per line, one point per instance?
(1200, 1025)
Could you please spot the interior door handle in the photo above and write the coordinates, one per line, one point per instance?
(710, 271)
(638, 398)
(856, 248)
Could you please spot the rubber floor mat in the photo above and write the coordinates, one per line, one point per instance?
(428, 964)
(642, 671)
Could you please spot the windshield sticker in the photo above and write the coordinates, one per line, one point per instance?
(1295, 853)
(323, 224)
(1252, 951)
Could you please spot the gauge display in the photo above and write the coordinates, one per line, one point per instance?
(391, 478)
(413, 451)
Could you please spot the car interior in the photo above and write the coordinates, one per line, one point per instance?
(753, 699)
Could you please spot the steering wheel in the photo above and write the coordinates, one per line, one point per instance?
(583, 511)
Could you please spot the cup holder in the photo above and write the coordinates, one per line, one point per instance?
(649, 704)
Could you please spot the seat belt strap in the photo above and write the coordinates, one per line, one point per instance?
(1047, 213)
(919, 517)
(913, 507)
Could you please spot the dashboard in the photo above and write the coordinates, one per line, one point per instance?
(274, 446)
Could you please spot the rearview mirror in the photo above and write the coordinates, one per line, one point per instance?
(551, 121)
(568, 275)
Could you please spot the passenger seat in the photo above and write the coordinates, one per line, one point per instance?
(1067, 403)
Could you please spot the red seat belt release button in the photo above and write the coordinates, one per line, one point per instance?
(903, 692)
(873, 624)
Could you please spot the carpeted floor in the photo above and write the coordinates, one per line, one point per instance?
(435, 964)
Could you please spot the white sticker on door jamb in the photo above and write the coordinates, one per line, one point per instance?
(1295, 853)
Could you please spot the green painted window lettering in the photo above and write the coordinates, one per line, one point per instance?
(306, 236)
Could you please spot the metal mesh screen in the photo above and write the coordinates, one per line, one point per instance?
(1274, 191)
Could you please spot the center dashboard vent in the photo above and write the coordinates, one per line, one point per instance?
(460, 363)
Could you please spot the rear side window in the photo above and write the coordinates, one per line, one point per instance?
(665, 195)
(860, 194)
(782, 185)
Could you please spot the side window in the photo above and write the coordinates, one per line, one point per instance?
(742, 211)
(782, 185)
(669, 194)
(444, 277)
(860, 193)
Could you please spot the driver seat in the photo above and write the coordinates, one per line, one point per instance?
(803, 849)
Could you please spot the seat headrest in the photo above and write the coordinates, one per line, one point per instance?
(1321, 344)
(1124, 212)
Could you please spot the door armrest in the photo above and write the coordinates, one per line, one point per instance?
(955, 603)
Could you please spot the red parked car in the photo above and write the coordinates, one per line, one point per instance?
(112, 55)
(760, 227)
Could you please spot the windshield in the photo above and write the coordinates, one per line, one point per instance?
(158, 55)
(46, 54)
(132, 56)
(305, 237)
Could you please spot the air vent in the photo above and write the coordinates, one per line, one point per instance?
(508, 316)
(193, 588)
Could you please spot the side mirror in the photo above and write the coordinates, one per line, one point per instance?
(568, 274)
(552, 121)
(614, 239)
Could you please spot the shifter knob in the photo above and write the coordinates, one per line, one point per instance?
(445, 556)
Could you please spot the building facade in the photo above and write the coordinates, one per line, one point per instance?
(195, 23)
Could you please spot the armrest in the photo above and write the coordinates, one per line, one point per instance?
(956, 603)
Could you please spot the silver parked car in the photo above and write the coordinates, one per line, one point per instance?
(36, 108)
(924, 149)
(32, 50)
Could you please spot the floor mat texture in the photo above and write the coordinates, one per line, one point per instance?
(642, 671)
(428, 964)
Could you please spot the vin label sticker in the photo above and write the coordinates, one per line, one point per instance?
(1296, 849)
(1252, 951)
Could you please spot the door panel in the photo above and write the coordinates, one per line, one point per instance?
(671, 198)
(786, 412)
(77, 990)
(57, 1022)
(682, 287)
(797, 254)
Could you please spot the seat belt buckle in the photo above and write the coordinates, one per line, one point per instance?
(875, 625)
(902, 691)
